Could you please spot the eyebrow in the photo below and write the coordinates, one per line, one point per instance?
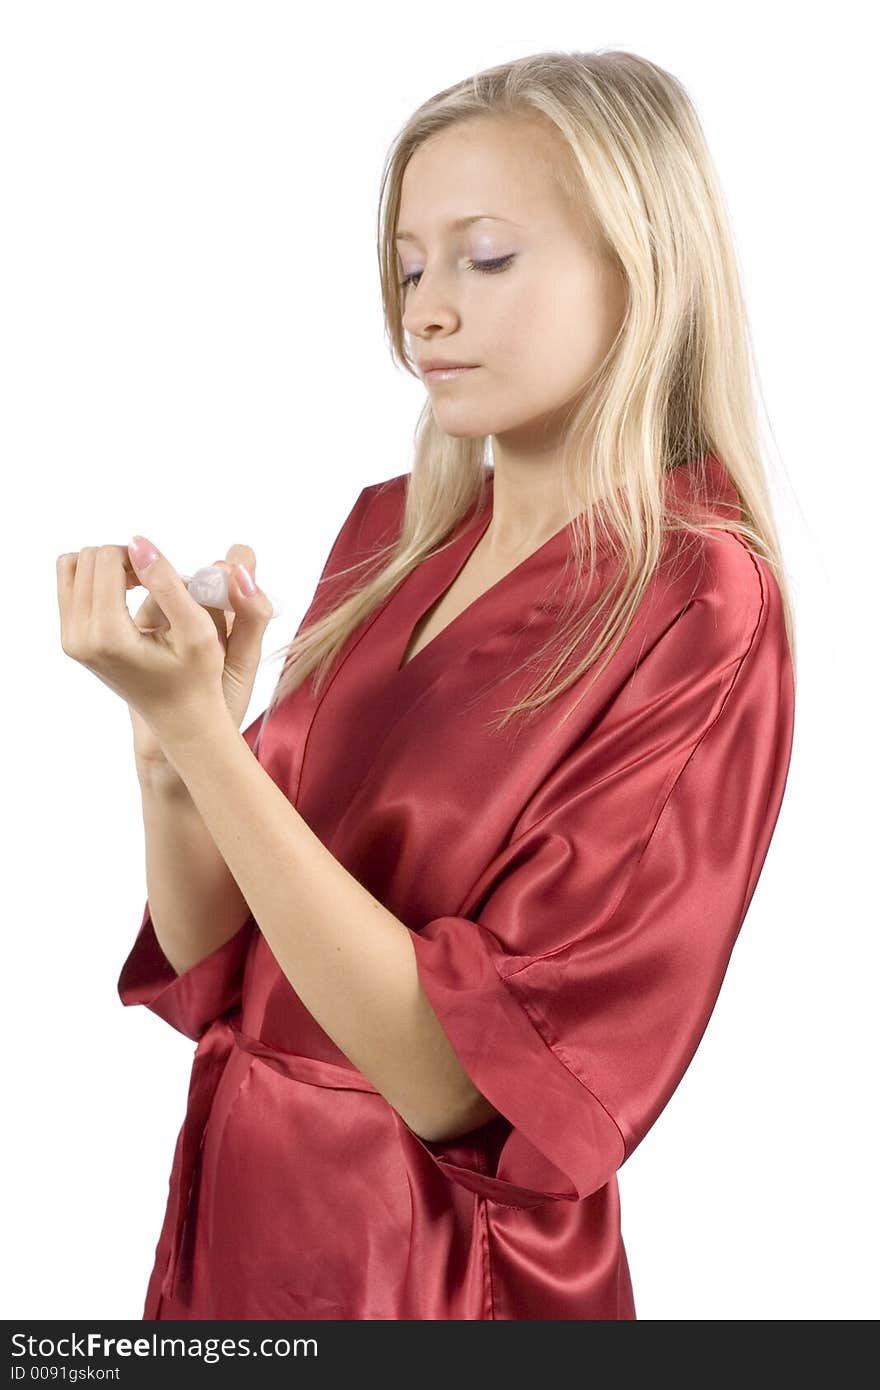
(459, 222)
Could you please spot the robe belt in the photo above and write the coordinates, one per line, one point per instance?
(212, 1054)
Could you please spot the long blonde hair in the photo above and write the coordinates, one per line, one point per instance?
(675, 385)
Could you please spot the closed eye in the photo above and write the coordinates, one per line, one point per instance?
(485, 267)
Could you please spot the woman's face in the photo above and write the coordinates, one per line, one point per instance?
(537, 323)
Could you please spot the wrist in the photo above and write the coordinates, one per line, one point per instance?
(186, 738)
(161, 780)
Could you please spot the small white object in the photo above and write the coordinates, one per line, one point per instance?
(209, 586)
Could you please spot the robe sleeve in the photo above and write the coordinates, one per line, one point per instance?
(577, 993)
(211, 987)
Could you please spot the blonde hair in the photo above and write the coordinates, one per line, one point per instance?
(674, 387)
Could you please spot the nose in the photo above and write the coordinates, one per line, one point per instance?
(428, 308)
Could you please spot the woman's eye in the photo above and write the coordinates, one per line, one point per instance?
(485, 267)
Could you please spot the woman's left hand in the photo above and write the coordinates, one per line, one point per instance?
(172, 676)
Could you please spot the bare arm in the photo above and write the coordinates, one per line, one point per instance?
(195, 903)
(350, 959)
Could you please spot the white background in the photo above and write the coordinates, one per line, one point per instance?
(192, 348)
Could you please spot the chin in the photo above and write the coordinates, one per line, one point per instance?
(460, 433)
(460, 430)
(461, 424)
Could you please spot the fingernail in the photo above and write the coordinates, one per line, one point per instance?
(142, 551)
(246, 580)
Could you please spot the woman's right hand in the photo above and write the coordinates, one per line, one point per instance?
(240, 634)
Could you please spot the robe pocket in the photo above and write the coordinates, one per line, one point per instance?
(311, 1203)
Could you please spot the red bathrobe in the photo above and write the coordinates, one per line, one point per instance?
(573, 896)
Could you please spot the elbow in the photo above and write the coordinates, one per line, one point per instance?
(474, 1112)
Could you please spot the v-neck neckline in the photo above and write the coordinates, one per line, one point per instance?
(439, 571)
(485, 633)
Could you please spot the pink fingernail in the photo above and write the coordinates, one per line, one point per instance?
(246, 580)
(142, 552)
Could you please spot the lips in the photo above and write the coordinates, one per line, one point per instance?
(437, 364)
(437, 374)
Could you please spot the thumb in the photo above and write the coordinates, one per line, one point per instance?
(159, 577)
(241, 555)
(253, 612)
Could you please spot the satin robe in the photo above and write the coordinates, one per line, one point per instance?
(573, 896)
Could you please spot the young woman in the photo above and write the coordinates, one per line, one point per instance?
(449, 920)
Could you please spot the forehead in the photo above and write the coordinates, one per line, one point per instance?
(495, 168)
(456, 224)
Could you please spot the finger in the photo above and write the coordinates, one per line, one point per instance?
(238, 555)
(65, 571)
(109, 589)
(242, 555)
(131, 579)
(159, 576)
(252, 616)
(81, 605)
(150, 616)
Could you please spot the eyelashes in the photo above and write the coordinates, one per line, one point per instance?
(492, 267)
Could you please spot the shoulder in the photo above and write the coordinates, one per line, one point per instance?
(710, 620)
(372, 521)
(714, 593)
(378, 511)
(711, 573)
(387, 498)
(389, 487)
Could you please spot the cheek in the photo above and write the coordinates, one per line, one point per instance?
(557, 328)
(530, 305)
(516, 328)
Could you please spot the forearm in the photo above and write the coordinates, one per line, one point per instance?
(350, 960)
(195, 903)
